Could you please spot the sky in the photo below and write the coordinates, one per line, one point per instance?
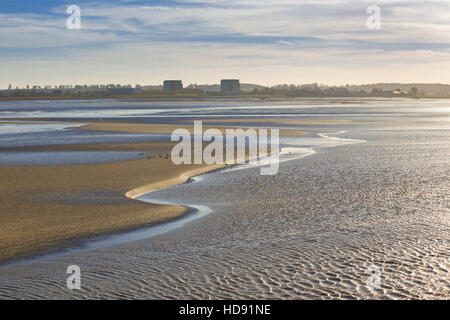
(266, 42)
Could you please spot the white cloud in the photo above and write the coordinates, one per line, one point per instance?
(207, 39)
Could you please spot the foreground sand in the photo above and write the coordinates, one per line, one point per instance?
(41, 206)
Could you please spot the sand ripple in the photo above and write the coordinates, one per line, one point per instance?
(310, 232)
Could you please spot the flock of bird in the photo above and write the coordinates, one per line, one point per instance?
(148, 156)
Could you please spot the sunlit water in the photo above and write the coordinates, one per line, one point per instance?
(368, 195)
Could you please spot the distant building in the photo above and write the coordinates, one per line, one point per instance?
(173, 86)
(230, 86)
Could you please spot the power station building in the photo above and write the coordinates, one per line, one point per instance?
(230, 86)
(173, 86)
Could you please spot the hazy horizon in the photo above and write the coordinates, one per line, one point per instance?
(185, 84)
(202, 41)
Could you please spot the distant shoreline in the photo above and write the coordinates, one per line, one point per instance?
(202, 98)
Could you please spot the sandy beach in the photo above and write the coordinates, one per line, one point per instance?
(168, 128)
(348, 197)
(44, 207)
(274, 121)
(41, 206)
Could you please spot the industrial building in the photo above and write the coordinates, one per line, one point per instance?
(173, 86)
(230, 86)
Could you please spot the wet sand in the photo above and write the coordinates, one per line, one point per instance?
(41, 206)
(164, 128)
(274, 122)
(45, 207)
(310, 232)
(279, 121)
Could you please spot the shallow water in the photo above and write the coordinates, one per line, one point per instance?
(51, 158)
(311, 231)
(47, 134)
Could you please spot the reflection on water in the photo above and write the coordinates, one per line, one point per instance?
(38, 134)
(50, 158)
(345, 107)
(8, 129)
